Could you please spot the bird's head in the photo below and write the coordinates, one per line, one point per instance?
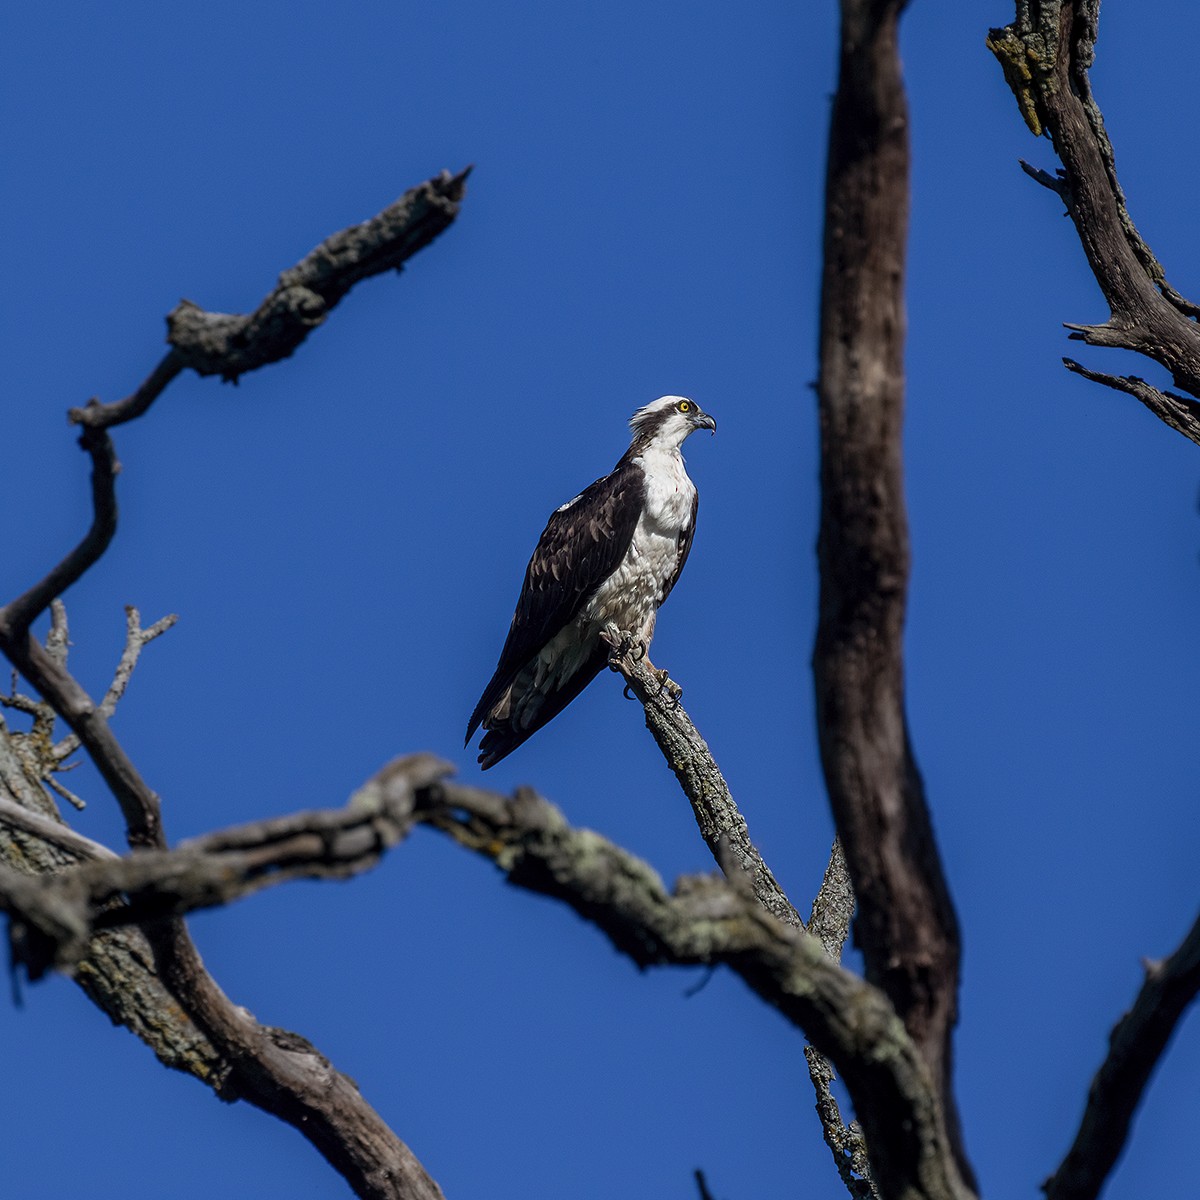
(668, 420)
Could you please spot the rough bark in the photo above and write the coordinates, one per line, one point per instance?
(719, 819)
(906, 928)
(1046, 55)
(727, 836)
(55, 916)
(710, 921)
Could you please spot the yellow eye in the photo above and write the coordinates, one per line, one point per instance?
(684, 406)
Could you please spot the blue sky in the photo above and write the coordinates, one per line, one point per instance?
(343, 536)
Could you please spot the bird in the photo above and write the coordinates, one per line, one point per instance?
(604, 564)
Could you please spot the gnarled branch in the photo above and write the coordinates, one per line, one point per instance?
(229, 344)
(1046, 55)
(708, 920)
(277, 1071)
(55, 916)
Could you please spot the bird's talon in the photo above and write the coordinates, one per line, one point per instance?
(673, 691)
(626, 692)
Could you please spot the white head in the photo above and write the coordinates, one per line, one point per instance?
(667, 421)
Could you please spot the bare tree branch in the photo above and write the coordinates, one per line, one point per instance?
(17, 616)
(907, 927)
(1046, 55)
(721, 823)
(189, 1022)
(276, 1070)
(728, 838)
(229, 345)
(135, 638)
(707, 920)
(139, 804)
(117, 974)
(57, 914)
(1182, 413)
(845, 1142)
(1134, 1048)
(210, 344)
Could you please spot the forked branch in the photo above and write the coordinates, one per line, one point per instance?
(278, 1071)
(707, 920)
(1047, 54)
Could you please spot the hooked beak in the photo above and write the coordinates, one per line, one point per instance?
(704, 421)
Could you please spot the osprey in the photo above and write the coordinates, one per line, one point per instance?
(606, 560)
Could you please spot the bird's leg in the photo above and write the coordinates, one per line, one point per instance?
(621, 642)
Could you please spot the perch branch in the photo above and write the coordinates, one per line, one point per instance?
(721, 823)
(725, 832)
(1046, 55)
(1134, 1048)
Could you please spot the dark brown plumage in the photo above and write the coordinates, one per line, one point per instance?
(581, 546)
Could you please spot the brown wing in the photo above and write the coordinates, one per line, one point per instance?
(581, 546)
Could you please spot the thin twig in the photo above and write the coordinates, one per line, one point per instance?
(1182, 413)
(832, 912)
(105, 416)
(845, 1142)
(135, 638)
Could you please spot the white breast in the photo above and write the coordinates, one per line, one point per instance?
(631, 595)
